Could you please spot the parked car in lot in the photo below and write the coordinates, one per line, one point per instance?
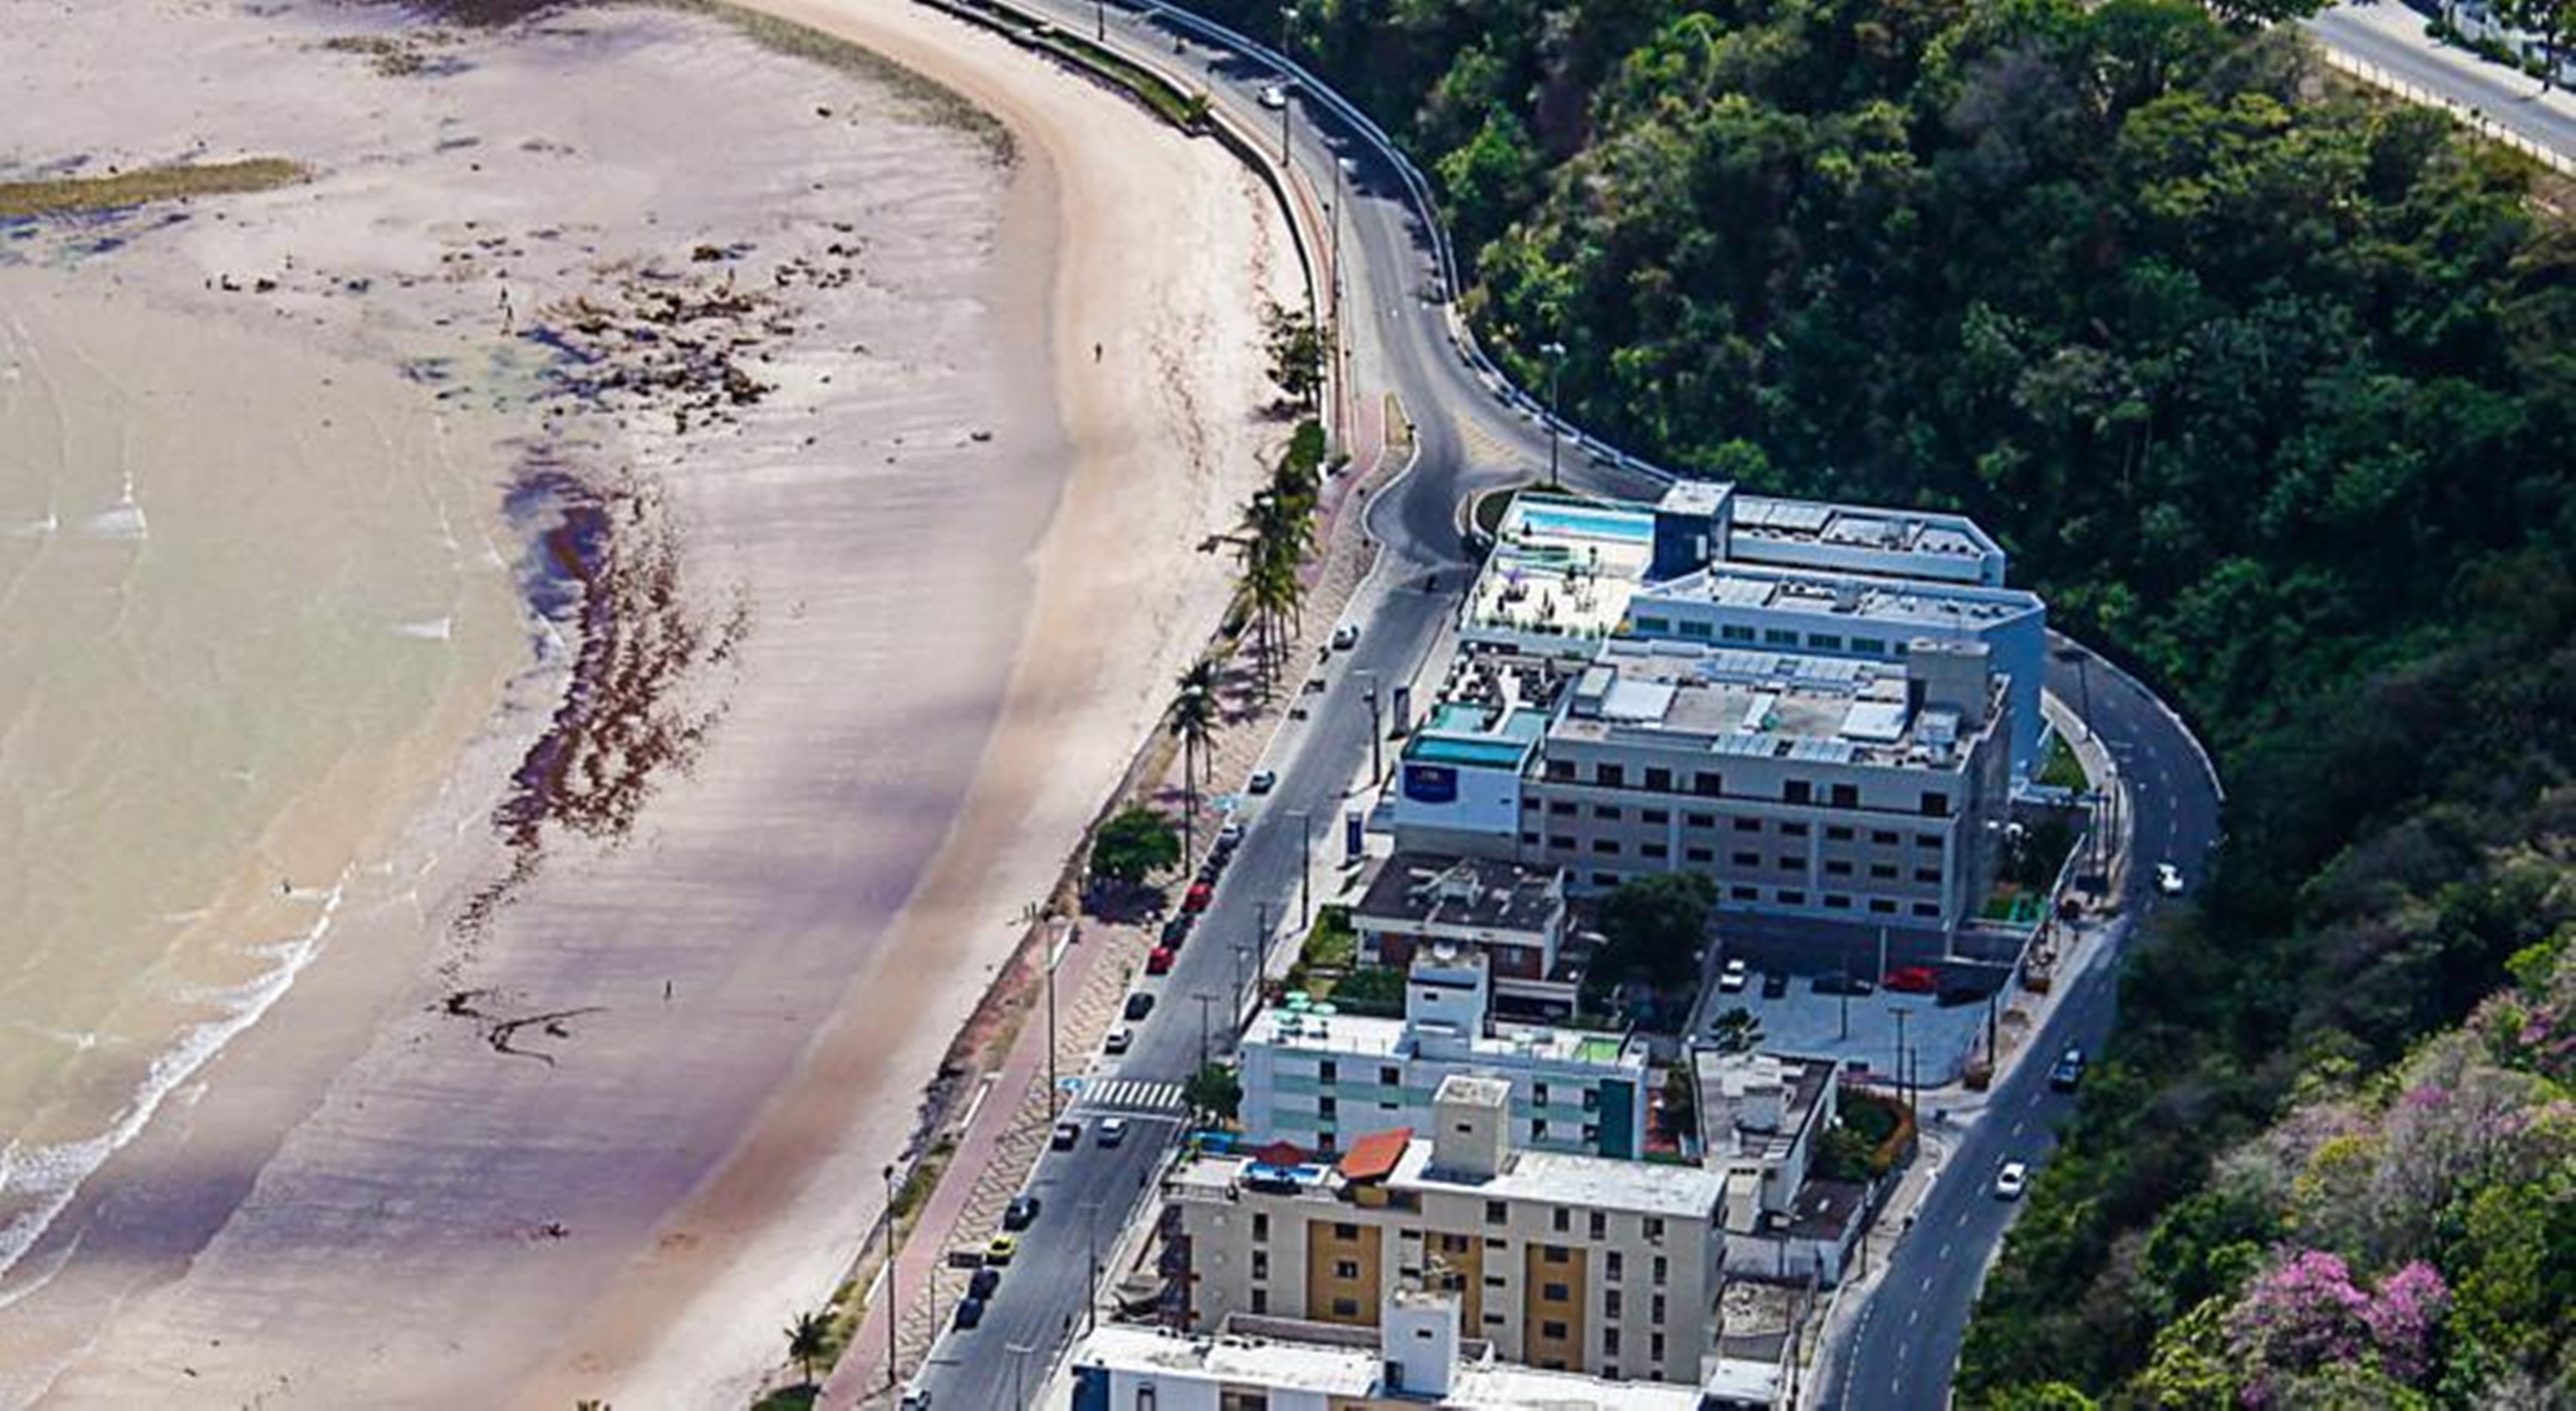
(2011, 1181)
(1068, 1134)
(1261, 782)
(984, 1282)
(970, 1312)
(1113, 1131)
(1117, 1040)
(2168, 879)
(1775, 983)
(1731, 980)
(1913, 980)
(1159, 961)
(2068, 1071)
(1022, 1212)
(1843, 985)
(1139, 1005)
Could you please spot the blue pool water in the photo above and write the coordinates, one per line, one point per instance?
(1600, 524)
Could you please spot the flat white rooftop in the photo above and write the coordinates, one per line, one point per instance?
(1558, 1178)
(1337, 1370)
(1771, 705)
(1858, 598)
(1507, 1046)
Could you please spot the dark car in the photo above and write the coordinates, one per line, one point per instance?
(1843, 985)
(1177, 929)
(970, 1311)
(982, 1284)
(1022, 1212)
(1775, 983)
(2067, 1073)
(1139, 1005)
(1066, 1134)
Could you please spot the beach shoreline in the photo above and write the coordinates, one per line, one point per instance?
(605, 1140)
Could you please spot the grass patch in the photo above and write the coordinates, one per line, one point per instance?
(788, 1399)
(65, 195)
(924, 1176)
(2063, 770)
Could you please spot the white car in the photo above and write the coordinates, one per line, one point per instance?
(1113, 1131)
(1274, 95)
(1731, 979)
(2168, 879)
(1117, 1040)
(1346, 636)
(2011, 1181)
(1232, 833)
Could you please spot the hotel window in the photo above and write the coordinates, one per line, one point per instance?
(1550, 1328)
(1660, 1270)
(1699, 855)
(1883, 837)
(1654, 624)
(1655, 850)
(1734, 632)
(1530, 839)
(1553, 1254)
(1496, 1213)
(1748, 859)
(1659, 779)
(1884, 871)
(1610, 1304)
(1694, 629)
(1935, 805)
(1344, 1231)
(1261, 1263)
(1793, 830)
(1797, 790)
(1836, 902)
(1555, 1293)
(1560, 842)
(1925, 840)
(1792, 864)
(1779, 637)
(1260, 1305)
(1607, 847)
(1145, 1397)
(1346, 1268)
(1656, 1313)
(1609, 1348)
(1560, 808)
(1655, 1350)
(1837, 867)
(1824, 641)
(1870, 646)
(1610, 1266)
(1591, 1134)
(1260, 1227)
(1328, 1072)
(1610, 776)
(1745, 893)
(1538, 1130)
(1748, 825)
(1538, 1095)
(1327, 1106)
(1927, 874)
(1655, 1232)
(1882, 906)
(1597, 1225)
(1390, 1076)
(1701, 820)
(1346, 1308)
(1591, 1099)
(1708, 786)
(1846, 795)
(1561, 769)
(1606, 812)
(1605, 879)
(1927, 908)
(1654, 815)
(1790, 896)
(1837, 833)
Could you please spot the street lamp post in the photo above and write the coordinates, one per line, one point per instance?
(1377, 765)
(1287, 17)
(1555, 355)
(1305, 866)
(1901, 1093)
(1055, 957)
(1091, 1246)
(894, 1300)
(1100, 20)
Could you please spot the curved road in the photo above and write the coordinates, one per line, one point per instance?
(1469, 435)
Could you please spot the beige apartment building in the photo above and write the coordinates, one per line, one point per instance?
(1562, 1262)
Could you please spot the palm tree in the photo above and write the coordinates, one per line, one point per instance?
(1193, 717)
(808, 1338)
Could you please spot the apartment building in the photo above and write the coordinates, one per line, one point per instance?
(1316, 1078)
(1418, 1356)
(1569, 1263)
(1513, 915)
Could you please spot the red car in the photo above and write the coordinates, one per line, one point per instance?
(1913, 980)
(1159, 962)
(1200, 894)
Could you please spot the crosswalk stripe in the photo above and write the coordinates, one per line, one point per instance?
(1132, 1093)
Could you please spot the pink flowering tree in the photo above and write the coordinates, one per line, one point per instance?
(2304, 1311)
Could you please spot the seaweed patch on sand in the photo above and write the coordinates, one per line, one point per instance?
(69, 194)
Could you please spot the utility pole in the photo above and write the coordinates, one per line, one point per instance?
(1305, 867)
(1241, 949)
(1555, 355)
(1100, 20)
(1205, 999)
(1844, 992)
(1055, 957)
(1899, 1012)
(1377, 768)
(894, 1300)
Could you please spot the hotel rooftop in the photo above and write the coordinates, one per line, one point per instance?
(1348, 1364)
(1320, 1028)
(1769, 705)
(1893, 603)
(1542, 1177)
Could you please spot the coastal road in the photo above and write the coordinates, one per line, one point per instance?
(2390, 37)
(1905, 1342)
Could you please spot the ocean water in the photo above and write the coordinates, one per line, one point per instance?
(252, 598)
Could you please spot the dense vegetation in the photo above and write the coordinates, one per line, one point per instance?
(2272, 389)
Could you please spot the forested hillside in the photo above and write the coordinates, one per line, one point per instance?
(2272, 389)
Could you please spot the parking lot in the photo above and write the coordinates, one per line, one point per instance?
(1860, 1030)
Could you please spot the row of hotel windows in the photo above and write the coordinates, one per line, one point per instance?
(1498, 1212)
(1786, 862)
(1776, 637)
(1788, 827)
(1551, 1329)
(1390, 1076)
(1791, 896)
(1704, 784)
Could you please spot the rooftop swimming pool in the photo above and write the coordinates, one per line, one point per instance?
(1625, 526)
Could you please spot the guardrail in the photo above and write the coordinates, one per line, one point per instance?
(1426, 209)
(2469, 115)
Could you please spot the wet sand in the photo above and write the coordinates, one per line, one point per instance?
(573, 1106)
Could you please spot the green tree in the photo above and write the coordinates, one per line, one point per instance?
(808, 1339)
(1192, 719)
(1654, 926)
(1133, 845)
(1295, 343)
(1215, 1090)
(2550, 20)
(1737, 1030)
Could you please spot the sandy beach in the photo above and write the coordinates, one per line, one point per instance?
(791, 363)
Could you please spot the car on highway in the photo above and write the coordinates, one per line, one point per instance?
(1001, 1249)
(1068, 1134)
(1913, 980)
(2011, 1180)
(1022, 1212)
(1139, 1005)
(2168, 879)
(1159, 961)
(970, 1312)
(1113, 1130)
(2067, 1073)
(1346, 636)
(1261, 782)
(1274, 96)
(1734, 977)
(984, 1282)
(915, 1399)
(1117, 1040)
(1842, 985)
(1775, 983)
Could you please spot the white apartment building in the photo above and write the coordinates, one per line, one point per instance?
(1569, 1263)
(1316, 1078)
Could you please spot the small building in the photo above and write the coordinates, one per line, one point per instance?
(1513, 914)
(1761, 1118)
(1567, 1263)
(1418, 1356)
(1314, 1076)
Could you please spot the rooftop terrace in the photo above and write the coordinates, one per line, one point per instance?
(1773, 705)
(1949, 607)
